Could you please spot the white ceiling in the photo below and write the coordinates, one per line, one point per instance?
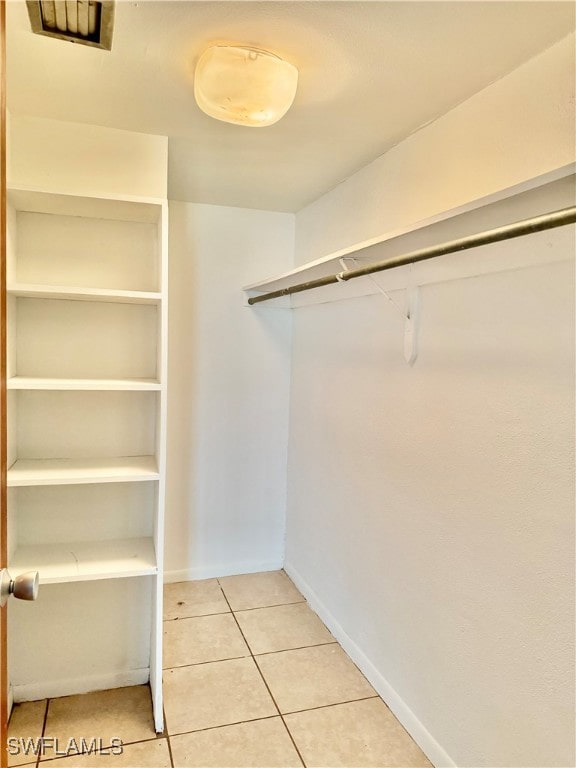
(371, 73)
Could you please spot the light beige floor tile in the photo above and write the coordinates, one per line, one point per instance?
(26, 722)
(260, 744)
(363, 734)
(282, 628)
(147, 754)
(206, 638)
(124, 713)
(193, 598)
(313, 677)
(259, 590)
(219, 693)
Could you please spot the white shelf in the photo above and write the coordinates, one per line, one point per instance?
(136, 385)
(512, 204)
(86, 561)
(120, 207)
(76, 471)
(77, 293)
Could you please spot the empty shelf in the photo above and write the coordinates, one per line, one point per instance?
(73, 293)
(26, 382)
(125, 469)
(86, 561)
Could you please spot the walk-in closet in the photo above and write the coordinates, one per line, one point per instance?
(288, 384)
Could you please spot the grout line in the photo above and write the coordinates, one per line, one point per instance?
(272, 717)
(299, 648)
(263, 607)
(259, 607)
(200, 616)
(280, 713)
(43, 729)
(210, 661)
(168, 738)
(224, 725)
(336, 704)
(267, 686)
(250, 653)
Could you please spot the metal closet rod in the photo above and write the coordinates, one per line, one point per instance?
(526, 227)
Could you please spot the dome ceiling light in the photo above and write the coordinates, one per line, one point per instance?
(243, 85)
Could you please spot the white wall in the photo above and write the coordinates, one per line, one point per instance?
(229, 376)
(518, 128)
(431, 508)
(85, 159)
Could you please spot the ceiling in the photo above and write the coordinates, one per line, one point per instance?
(371, 73)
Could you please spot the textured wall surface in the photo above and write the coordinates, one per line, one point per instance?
(229, 378)
(520, 127)
(431, 508)
(86, 159)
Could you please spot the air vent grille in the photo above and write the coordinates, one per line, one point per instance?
(88, 22)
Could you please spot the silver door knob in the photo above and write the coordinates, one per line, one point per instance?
(24, 586)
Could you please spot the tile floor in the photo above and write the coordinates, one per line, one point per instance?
(252, 679)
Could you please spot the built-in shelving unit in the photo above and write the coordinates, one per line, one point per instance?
(87, 362)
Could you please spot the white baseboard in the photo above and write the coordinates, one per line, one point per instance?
(427, 743)
(51, 689)
(198, 573)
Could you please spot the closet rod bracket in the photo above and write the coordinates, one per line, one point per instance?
(409, 314)
(410, 324)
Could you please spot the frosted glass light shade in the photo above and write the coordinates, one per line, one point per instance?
(244, 85)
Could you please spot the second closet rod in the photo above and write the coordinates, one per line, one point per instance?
(526, 227)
